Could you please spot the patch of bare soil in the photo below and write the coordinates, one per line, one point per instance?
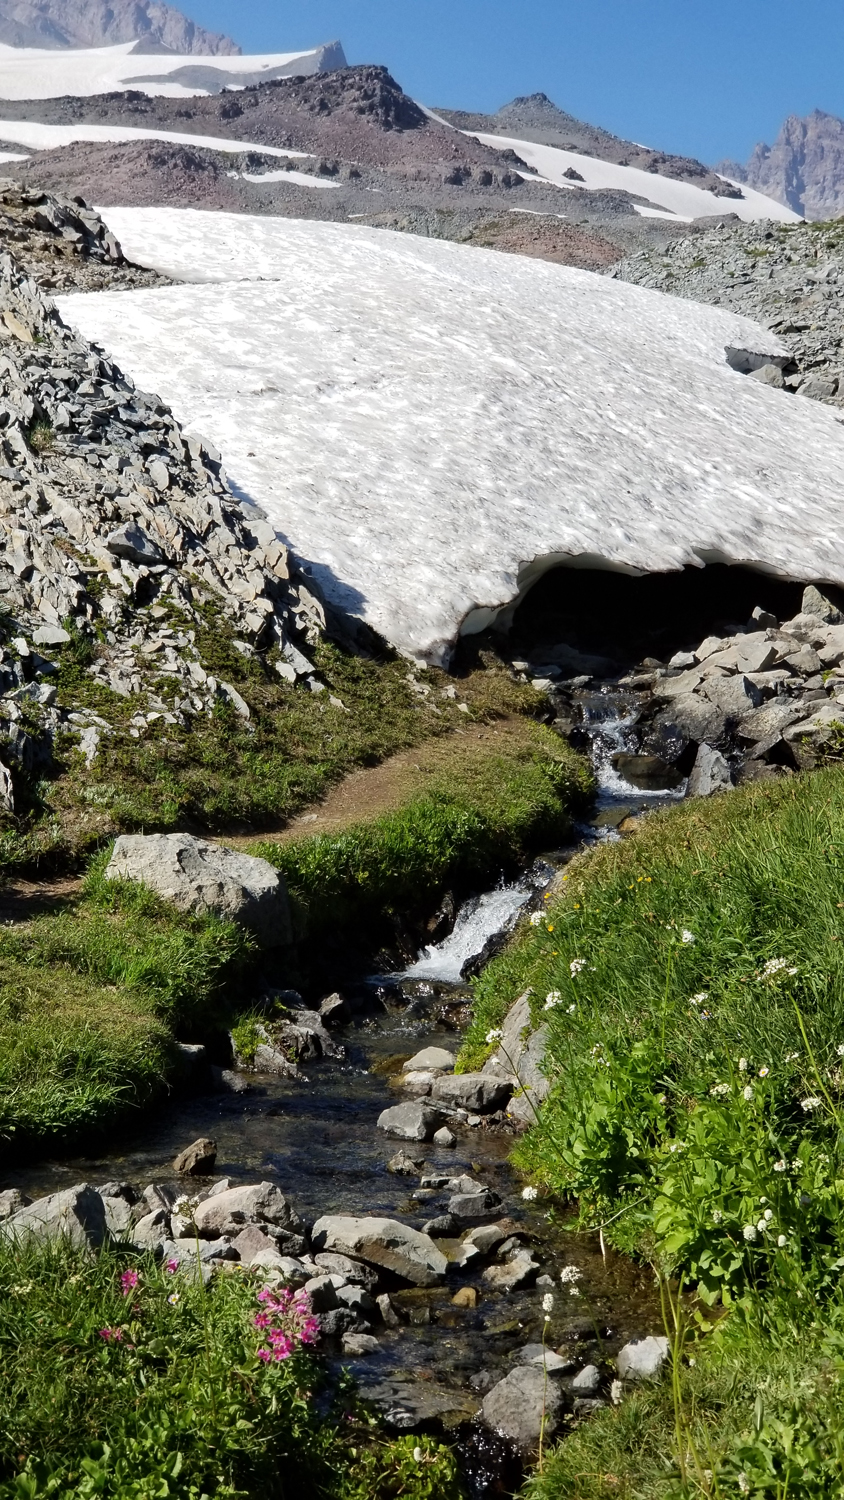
(547, 239)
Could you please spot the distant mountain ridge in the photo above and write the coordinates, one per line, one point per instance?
(156, 27)
(534, 117)
(803, 169)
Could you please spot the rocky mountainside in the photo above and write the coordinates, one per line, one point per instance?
(803, 169)
(790, 278)
(536, 118)
(104, 23)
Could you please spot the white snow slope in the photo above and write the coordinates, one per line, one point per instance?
(33, 73)
(430, 426)
(680, 200)
(39, 137)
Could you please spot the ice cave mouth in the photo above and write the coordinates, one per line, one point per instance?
(614, 620)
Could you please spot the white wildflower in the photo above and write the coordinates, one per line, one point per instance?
(536, 919)
(763, 1072)
(570, 1274)
(719, 1089)
(747, 1093)
(686, 936)
(418, 1455)
(494, 1036)
(173, 1299)
(530, 1194)
(616, 1392)
(840, 1049)
(762, 1225)
(807, 1105)
(768, 1215)
(781, 1165)
(773, 967)
(700, 998)
(571, 1010)
(782, 1241)
(552, 999)
(548, 1302)
(741, 1481)
(749, 1232)
(742, 1066)
(792, 1056)
(717, 1216)
(576, 965)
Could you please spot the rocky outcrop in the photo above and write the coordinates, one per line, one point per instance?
(198, 877)
(105, 23)
(804, 168)
(76, 1216)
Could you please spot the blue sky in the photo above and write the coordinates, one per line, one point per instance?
(706, 78)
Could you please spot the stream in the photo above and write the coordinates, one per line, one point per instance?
(318, 1141)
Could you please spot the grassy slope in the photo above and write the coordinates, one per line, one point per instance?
(694, 1052)
(178, 1404)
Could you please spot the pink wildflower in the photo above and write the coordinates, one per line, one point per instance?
(128, 1281)
(112, 1335)
(172, 1267)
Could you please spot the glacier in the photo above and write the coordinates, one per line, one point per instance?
(431, 426)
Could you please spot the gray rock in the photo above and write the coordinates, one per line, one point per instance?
(131, 542)
(50, 635)
(76, 1216)
(197, 1159)
(404, 1165)
(252, 1241)
(414, 1121)
(733, 696)
(11, 1201)
(322, 1292)
(512, 1274)
(479, 1092)
(487, 1237)
(771, 718)
(259, 1203)
(120, 1217)
(710, 773)
(213, 1250)
(389, 1316)
(228, 1081)
(430, 1060)
(520, 1056)
(291, 1270)
(816, 603)
(642, 1359)
(803, 663)
(357, 1298)
(759, 657)
(354, 1271)
(444, 1137)
(359, 1345)
(695, 717)
(536, 1355)
(337, 1321)
(443, 1227)
(334, 1010)
(199, 877)
(516, 1406)
(474, 1206)
(152, 1231)
(587, 1382)
(382, 1242)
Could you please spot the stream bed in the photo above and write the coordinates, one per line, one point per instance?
(318, 1140)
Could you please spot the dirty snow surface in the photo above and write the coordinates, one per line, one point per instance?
(38, 137)
(431, 425)
(678, 200)
(36, 73)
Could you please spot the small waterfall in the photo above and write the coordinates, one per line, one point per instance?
(481, 918)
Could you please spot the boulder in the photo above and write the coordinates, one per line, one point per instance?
(260, 1203)
(444, 1137)
(131, 542)
(473, 1206)
(76, 1216)
(199, 877)
(586, 1383)
(481, 1093)
(414, 1121)
(322, 1293)
(710, 773)
(382, 1242)
(359, 1345)
(642, 1359)
(354, 1271)
(536, 1354)
(334, 1010)
(404, 1165)
(252, 1241)
(694, 717)
(771, 718)
(487, 1237)
(11, 1201)
(520, 1056)
(153, 1231)
(430, 1060)
(733, 696)
(816, 603)
(197, 1159)
(516, 1407)
(513, 1274)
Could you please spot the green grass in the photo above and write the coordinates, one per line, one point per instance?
(179, 1404)
(692, 982)
(478, 811)
(91, 999)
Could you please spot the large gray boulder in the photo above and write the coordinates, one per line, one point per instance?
(76, 1215)
(478, 1092)
(414, 1121)
(382, 1242)
(710, 773)
(199, 877)
(520, 1056)
(516, 1405)
(231, 1211)
(642, 1359)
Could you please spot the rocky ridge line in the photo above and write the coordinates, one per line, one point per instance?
(789, 278)
(804, 168)
(156, 27)
(110, 515)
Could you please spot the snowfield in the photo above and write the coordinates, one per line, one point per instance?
(38, 137)
(33, 73)
(430, 426)
(678, 200)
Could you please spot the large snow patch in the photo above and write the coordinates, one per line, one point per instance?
(37, 73)
(430, 426)
(679, 200)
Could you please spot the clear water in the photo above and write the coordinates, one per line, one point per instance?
(478, 920)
